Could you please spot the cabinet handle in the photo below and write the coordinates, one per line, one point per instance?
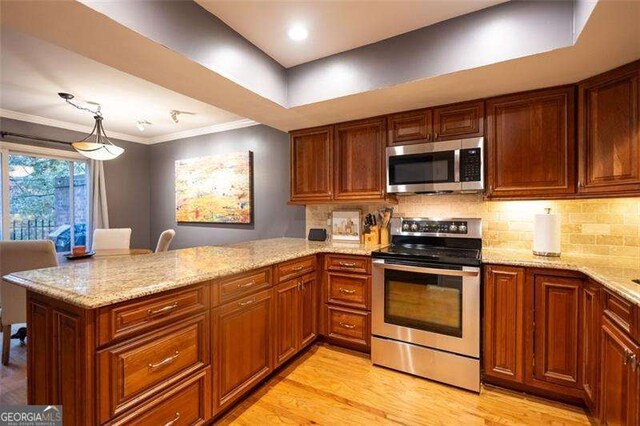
(165, 361)
(429, 137)
(347, 326)
(164, 310)
(625, 361)
(249, 284)
(634, 362)
(298, 268)
(347, 264)
(248, 302)
(435, 136)
(345, 291)
(175, 419)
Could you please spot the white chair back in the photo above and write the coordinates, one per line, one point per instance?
(165, 240)
(112, 239)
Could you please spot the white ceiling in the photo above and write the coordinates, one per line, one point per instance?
(33, 71)
(334, 26)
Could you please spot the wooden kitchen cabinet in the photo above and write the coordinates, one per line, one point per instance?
(556, 333)
(410, 127)
(504, 316)
(591, 318)
(609, 132)
(296, 316)
(618, 376)
(242, 354)
(312, 164)
(359, 160)
(458, 121)
(531, 144)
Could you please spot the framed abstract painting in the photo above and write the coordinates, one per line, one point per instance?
(215, 189)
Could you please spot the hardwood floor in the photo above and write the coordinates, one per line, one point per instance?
(13, 377)
(329, 385)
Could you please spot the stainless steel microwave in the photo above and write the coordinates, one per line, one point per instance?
(450, 166)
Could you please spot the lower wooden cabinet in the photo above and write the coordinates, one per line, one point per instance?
(243, 346)
(619, 377)
(296, 316)
(591, 318)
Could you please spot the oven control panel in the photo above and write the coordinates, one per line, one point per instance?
(423, 226)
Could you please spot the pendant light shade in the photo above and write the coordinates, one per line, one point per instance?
(97, 145)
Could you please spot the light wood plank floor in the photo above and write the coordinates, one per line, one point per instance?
(333, 386)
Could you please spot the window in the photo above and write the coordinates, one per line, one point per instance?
(44, 196)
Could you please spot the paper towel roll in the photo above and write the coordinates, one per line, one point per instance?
(546, 234)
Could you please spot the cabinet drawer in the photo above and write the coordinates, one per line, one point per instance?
(139, 368)
(132, 318)
(618, 310)
(349, 290)
(295, 268)
(348, 325)
(244, 284)
(346, 263)
(188, 403)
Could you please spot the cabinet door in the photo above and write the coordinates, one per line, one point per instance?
(557, 330)
(609, 132)
(410, 127)
(618, 379)
(359, 159)
(311, 164)
(503, 352)
(591, 314)
(286, 307)
(242, 348)
(308, 309)
(531, 144)
(458, 121)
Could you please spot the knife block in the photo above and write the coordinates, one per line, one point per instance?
(372, 238)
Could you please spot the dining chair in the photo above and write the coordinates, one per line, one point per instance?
(16, 256)
(111, 239)
(165, 240)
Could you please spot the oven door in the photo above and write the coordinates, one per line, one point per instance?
(424, 168)
(427, 305)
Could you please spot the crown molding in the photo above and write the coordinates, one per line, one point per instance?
(36, 119)
(216, 128)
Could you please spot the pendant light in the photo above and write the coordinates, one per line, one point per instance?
(96, 145)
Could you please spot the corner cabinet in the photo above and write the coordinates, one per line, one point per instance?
(531, 144)
(609, 132)
(312, 164)
(359, 160)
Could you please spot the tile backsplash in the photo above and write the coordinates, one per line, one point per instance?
(594, 226)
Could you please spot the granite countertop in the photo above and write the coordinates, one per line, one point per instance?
(614, 273)
(110, 280)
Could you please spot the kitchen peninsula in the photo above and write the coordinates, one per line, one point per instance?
(187, 333)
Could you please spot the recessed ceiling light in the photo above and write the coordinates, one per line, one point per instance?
(298, 33)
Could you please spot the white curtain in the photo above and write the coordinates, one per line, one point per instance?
(99, 209)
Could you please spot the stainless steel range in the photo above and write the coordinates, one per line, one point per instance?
(426, 300)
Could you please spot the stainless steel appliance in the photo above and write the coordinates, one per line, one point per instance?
(426, 300)
(451, 166)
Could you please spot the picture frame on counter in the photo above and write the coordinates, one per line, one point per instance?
(346, 225)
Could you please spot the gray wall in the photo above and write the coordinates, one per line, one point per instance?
(272, 216)
(127, 177)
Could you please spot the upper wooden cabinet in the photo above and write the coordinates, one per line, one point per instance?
(359, 160)
(531, 144)
(609, 132)
(410, 127)
(312, 164)
(456, 121)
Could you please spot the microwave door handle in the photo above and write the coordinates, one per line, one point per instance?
(456, 165)
(425, 270)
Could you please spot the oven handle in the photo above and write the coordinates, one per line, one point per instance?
(473, 272)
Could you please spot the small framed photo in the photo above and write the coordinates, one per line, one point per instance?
(346, 225)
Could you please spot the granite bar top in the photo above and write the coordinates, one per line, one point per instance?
(111, 280)
(615, 273)
(107, 281)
